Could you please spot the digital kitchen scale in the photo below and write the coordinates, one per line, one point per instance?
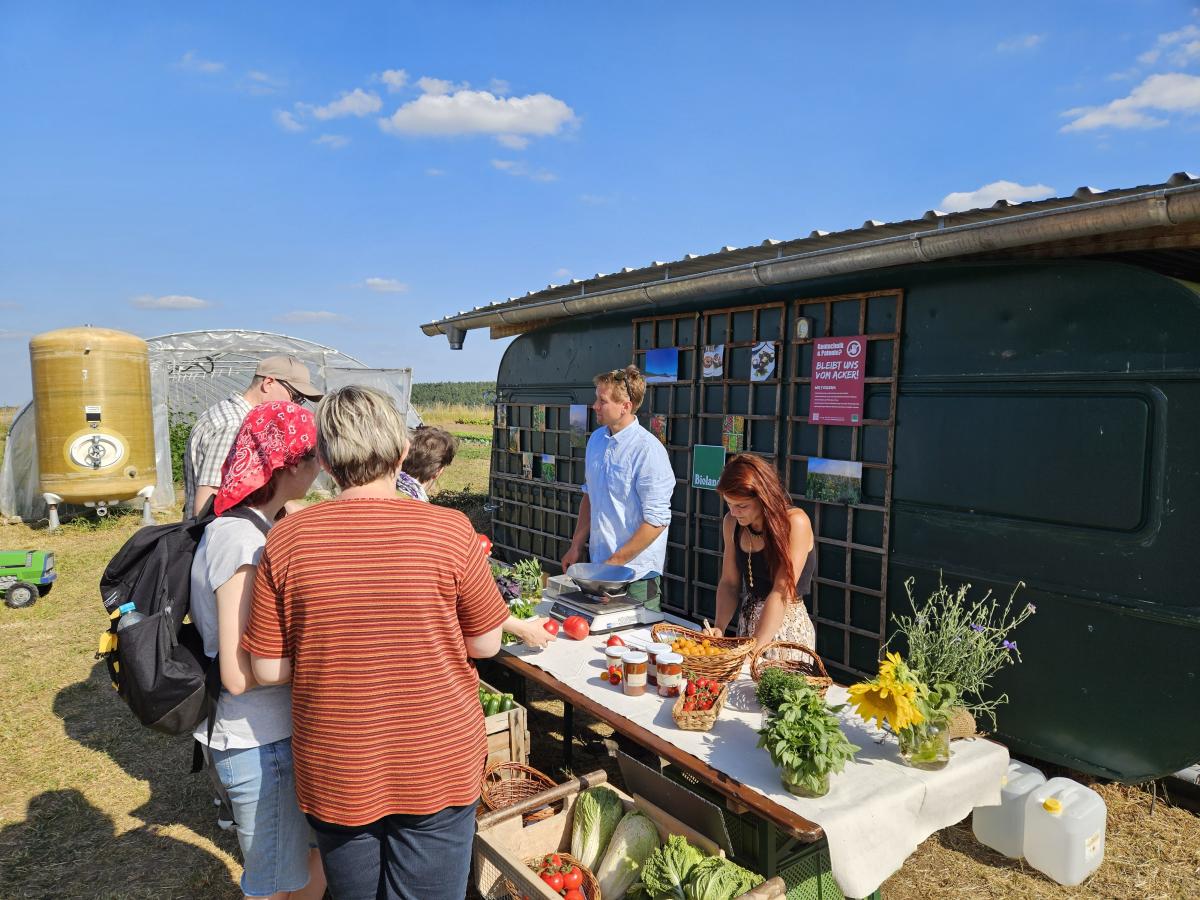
(608, 612)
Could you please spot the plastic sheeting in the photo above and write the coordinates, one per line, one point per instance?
(189, 372)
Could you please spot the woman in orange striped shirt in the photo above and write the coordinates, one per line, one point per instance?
(373, 607)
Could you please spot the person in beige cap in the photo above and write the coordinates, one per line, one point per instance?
(277, 378)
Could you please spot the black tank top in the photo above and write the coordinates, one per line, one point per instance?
(763, 581)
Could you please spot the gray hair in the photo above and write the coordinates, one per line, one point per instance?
(361, 435)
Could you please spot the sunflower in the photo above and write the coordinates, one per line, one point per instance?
(890, 696)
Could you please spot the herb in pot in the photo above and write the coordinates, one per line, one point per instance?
(806, 742)
(774, 683)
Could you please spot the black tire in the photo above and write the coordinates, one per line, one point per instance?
(20, 594)
(44, 589)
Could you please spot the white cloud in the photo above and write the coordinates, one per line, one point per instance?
(1023, 42)
(169, 301)
(395, 79)
(287, 121)
(385, 285)
(261, 83)
(512, 141)
(305, 316)
(1174, 92)
(562, 273)
(594, 199)
(521, 170)
(15, 335)
(480, 112)
(351, 103)
(333, 141)
(499, 87)
(435, 173)
(990, 193)
(439, 86)
(190, 62)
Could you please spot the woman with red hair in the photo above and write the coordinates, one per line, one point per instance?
(769, 557)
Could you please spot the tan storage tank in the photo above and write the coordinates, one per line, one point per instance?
(95, 428)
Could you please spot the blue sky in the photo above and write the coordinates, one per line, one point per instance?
(346, 173)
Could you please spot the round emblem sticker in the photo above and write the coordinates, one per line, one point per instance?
(854, 348)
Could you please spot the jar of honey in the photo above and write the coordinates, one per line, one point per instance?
(652, 650)
(670, 674)
(635, 664)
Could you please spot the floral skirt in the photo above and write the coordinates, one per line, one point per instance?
(796, 626)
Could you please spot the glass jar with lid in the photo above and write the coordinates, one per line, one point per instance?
(635, 664)
(670, 674)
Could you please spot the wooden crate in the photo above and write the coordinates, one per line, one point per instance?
(507, 733)
(503, 842)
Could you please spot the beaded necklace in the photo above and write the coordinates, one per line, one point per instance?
(750, 555)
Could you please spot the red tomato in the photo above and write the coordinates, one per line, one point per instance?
(574, 894)
(615, 641)
(572, 878)
(485, 542)
(691, 689)
(614, 677)
(553, 879)
(576, 627)
(555, 860)
(551, 625)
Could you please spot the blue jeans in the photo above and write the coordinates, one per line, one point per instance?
(271, 830)
(399, 857)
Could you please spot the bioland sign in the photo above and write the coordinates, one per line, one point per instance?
(839, 366)
(707, 464)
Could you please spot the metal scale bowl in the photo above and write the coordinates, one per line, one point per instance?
(602, 598)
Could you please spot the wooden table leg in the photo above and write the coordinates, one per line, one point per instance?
(568, 732)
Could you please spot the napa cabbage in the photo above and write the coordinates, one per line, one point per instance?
(598, 810)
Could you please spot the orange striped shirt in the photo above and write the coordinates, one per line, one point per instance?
(371, 600)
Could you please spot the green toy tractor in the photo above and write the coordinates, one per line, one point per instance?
(25, 575)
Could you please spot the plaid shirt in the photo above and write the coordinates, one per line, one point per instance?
(212, 437)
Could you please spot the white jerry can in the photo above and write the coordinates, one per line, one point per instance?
(1064, 830)
(1003, 827)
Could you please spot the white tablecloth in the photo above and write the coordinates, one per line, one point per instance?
(877, 810)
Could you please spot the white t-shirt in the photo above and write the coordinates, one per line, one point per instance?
(263, 714)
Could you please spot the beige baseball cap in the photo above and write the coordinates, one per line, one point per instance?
(290, 370)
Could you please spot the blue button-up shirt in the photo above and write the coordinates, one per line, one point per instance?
(629, 481)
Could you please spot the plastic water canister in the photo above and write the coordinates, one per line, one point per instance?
(1003, 827)
(129, 615)
(1064, 830)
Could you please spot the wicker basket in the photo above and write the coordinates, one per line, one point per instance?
(962, 723)
(589, 886)
(507, 783)
(722, 666)
(698, 719)
(794, 658)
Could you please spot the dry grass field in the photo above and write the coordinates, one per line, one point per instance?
(93, 805)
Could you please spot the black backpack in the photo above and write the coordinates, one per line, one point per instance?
(158, 665)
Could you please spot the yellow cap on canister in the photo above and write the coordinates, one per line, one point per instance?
(1052, 805)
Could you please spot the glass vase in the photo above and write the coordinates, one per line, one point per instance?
(794, 785)
(926, 746)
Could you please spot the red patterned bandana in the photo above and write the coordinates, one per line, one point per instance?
(273, 436)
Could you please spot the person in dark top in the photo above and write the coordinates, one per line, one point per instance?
(769, 557)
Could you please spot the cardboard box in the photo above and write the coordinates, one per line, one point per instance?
(507, 733)
(503, 843)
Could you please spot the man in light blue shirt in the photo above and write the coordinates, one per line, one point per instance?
(626, 504)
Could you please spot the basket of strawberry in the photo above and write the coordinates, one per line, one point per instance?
(699, 704)
(564, 875)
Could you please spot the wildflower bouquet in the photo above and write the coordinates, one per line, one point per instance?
(916, 712)
(962, 643)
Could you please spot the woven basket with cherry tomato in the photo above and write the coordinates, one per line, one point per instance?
(699, 704)
(565, 875)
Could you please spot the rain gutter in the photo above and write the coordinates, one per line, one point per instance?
(1165, 206)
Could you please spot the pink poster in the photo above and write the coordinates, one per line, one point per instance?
(839, 365)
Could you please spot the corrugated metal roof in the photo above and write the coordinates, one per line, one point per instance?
(871, 230)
